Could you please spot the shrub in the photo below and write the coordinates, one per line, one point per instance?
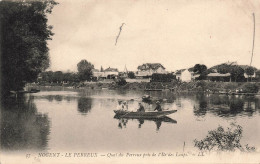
(223, 140)
(156, 77)
(131, 75)
(121, 82)
(250, 88)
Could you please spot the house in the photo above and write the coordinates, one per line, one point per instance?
(111, 73)
(97, 74)
(184, 75)
(146, 70)
(248, 76)
(215, 76)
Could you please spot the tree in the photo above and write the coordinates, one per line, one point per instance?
(57, 77)
(236, 72)
(47, 76)
(121, 82)
(85, 70)
(24, 34)
(250, 72)
(101, 69)
(223, 68)
(200, 69)
(131, 75)
(250, 88)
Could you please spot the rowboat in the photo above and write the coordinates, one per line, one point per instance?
(150, 114)
(160, 119)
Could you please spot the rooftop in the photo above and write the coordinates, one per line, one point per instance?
(148, 66)
(111, 70)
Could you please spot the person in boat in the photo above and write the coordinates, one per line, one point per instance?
(141, 108)
(158, 106)
(119, 105)
(124, 106)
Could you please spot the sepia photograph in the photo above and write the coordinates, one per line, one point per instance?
(129, 81)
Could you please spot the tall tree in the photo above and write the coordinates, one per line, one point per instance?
(24, 35)
(200, 69)
(85, 70)
(236, 72)
(250, 72)
(223, 68)
(131, 75)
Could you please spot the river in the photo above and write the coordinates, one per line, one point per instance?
(83, 121)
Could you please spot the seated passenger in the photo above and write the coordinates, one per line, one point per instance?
(119, 105)
(158, 107)
(141, 108)
(124, 106)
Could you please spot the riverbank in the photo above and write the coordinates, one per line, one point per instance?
(195, 86)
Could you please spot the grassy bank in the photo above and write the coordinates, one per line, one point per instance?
(195, 86)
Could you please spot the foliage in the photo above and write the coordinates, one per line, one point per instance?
(156, 77)
(250, 88)
(199, 68)
(22, 126)
(250, 71)
(121, 82)
(85, 70)
(131, 75)
(24, 35)
(223, 68)
(58, 76)
(237, 72)
(201, 84)
(223, 140)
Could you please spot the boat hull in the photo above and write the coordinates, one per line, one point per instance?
(153, 114)
(160, 119)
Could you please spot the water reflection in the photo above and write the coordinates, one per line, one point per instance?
(122, 122)
(225, 106)
(201, 110)
(22, 127)
(167, 97)
(84, 105)
(58, 98)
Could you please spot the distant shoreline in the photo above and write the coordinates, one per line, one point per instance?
(177, 87)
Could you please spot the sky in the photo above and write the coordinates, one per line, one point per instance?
(178, 34)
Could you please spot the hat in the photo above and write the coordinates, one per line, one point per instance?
(157, 102)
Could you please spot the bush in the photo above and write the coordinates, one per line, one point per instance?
(156, 77)
(121, 82)
(224, 140)
(131, 75)
(250, 88)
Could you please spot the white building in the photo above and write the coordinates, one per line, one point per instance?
(147, 69)
(184, 75)
(106, 74)
(97, 74)
(111, 72)
(248, 76)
